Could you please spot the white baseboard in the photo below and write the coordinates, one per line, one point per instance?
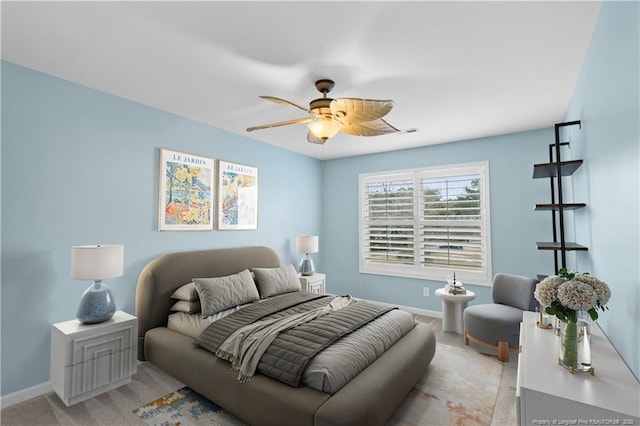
(423, 312)
(25, 394)
(411, 309)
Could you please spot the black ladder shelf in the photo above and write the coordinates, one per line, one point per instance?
(555, 170)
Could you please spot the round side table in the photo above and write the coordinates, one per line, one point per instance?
(452, 307)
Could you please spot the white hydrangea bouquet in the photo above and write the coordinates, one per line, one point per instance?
(565, 294)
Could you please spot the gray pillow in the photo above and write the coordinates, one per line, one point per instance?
(186, 306)
(186, 292)
(220, 293)
(274, 281)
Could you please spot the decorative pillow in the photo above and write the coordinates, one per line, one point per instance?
(187, 292)
(220, 293)
(186, 306)
(274, 281)
(189, 324)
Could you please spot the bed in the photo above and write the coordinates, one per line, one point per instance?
(369, 398)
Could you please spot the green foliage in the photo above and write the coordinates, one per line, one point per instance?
(566, 314)
(566, 274)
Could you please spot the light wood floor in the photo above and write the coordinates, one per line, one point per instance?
(149, 383)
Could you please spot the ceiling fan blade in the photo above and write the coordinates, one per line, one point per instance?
(354, 116)
(370, 128)
(281, 123)
(314, 139)
(284, 102)
(352, 110)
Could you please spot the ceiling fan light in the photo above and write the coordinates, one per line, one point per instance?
(325, 128)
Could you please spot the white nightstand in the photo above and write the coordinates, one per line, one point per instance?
(314, 283)
(89, 359)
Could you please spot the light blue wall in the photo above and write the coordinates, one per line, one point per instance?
(606, 99)
(515, 226)
(81, 167)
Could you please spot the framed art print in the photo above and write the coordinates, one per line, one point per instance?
(186, 192)
(237, 196)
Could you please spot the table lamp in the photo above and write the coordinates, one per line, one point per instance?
(96, 263)
(306, 244)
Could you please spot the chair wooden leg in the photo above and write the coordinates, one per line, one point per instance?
(503, 351)
(466, 338)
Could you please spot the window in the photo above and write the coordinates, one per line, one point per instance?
(427, 223)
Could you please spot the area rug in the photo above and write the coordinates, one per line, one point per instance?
(185, 407)
(459, 388)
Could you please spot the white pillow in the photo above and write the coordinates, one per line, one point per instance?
(190, 324)
(220, 293)
(274, 281)
(186, 306)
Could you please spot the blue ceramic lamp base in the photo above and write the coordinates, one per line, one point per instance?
(96, 305)
(306, 266)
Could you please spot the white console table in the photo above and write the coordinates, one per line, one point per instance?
(548, 394)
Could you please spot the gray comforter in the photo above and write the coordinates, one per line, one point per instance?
(291, 351)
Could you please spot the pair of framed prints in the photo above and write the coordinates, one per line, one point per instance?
(191, 184)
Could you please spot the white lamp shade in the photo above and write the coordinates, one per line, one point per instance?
(325, 128)
(307, 244)
(97, 262)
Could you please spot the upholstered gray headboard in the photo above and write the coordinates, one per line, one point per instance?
(165, 273)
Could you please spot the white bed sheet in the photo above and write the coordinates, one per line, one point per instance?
(193, 324)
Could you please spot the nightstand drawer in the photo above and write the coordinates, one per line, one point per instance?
(315, 283)
(93, 347)
(316, 287)
(99, 372)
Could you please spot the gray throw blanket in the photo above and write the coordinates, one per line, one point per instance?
(278, 306)
(291, 349)
(245, 346)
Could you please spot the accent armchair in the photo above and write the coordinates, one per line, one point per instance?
(497, 325)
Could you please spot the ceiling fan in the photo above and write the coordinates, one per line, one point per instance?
(327, 116)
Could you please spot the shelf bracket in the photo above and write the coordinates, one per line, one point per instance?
(563, 254)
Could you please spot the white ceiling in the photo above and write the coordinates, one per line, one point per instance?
(456, 70)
